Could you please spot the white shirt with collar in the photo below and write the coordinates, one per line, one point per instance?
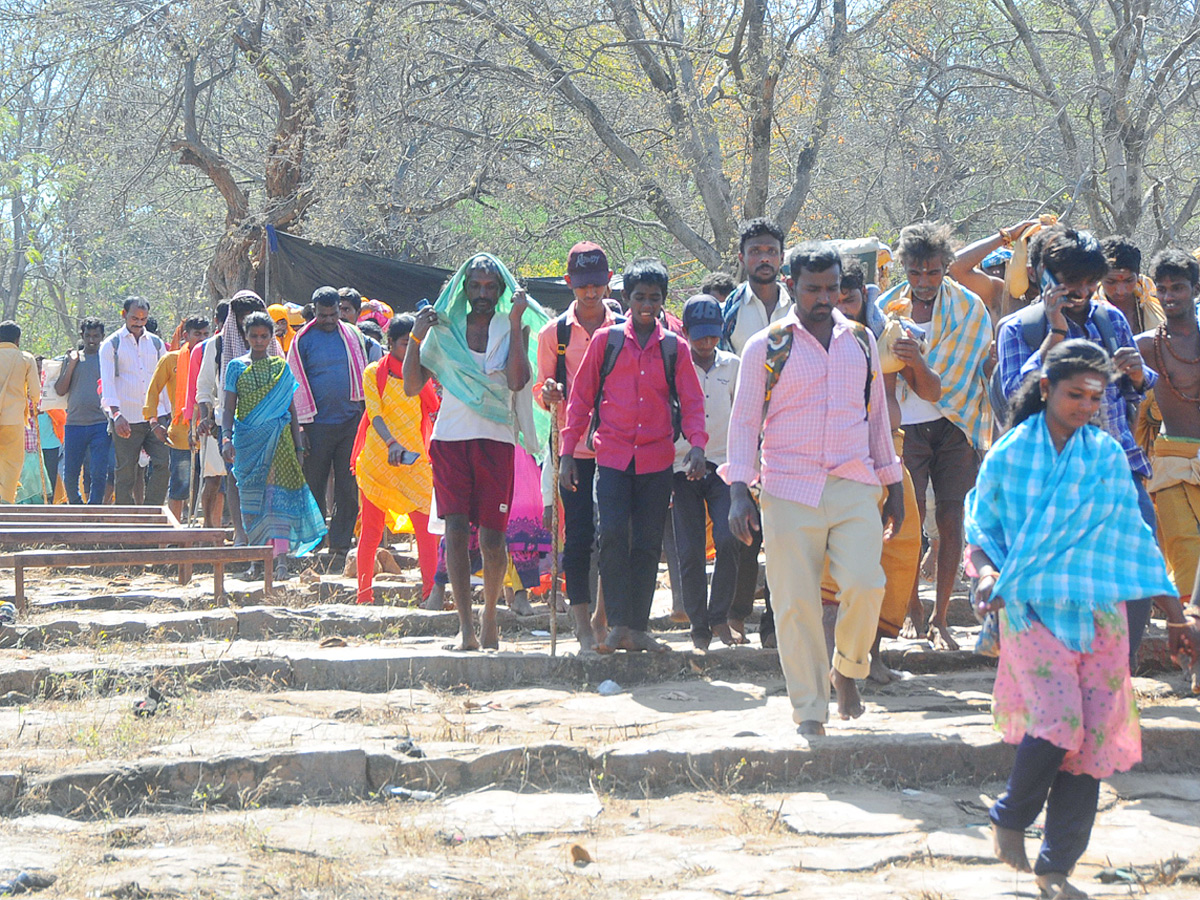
(752, 314)
(718, 384)
(208, 388)
(125, 375)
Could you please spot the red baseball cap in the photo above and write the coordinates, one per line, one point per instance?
(587, 264)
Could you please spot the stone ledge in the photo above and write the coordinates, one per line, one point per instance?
(332, 772)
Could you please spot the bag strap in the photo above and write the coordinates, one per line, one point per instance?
(612, 348)
(860, 334)
(669, 350)
(1104, 324)
(779, 348)
(563, 333)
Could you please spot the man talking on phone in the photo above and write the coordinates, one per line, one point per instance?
(1069, 264)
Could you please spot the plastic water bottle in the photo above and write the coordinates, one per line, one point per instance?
(394, 792)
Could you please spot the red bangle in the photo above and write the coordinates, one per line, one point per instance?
(392, 442)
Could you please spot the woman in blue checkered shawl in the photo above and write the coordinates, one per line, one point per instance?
(1059, 544)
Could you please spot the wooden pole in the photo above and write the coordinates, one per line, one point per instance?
(554, 542)
(41, 461)
(195, 475)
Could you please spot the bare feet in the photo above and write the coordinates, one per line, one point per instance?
(724, 634)
(939, 635)
(466, 641)
(519, 604)
(1054, 886)
(615, 640)
(583, 629)
(622, 638)
(737, 628)
(642, 641)
(1010, 848)
(701, 641)
(489, 631)
(811, 728)
(880, 673)
(436, 599)
(848, 702)
(914, 618)
(599, 621)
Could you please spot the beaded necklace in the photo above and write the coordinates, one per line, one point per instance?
(1162, 339)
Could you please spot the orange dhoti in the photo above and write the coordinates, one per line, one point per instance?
(901, 559)
(1175, 487)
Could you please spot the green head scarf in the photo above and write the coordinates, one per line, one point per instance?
(445, 353)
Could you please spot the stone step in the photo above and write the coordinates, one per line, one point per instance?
(327, 772)
(365, 667)
(384, 663)
(233, 748)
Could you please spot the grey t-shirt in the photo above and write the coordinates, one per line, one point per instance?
(83, 400)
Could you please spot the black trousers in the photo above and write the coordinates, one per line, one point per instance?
(579, 525)
(747, 584)
(330, 447)
(633, 511)
(694, 503)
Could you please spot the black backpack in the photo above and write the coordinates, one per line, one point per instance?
(669, 349)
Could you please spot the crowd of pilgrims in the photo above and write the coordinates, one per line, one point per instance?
(1025, 407)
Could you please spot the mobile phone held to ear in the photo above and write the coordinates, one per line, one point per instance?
(408, 457)
(1049, 282)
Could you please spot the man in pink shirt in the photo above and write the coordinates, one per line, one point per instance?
(634, 442)
(826, 450)
(587, 275)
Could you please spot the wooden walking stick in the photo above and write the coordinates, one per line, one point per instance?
(554, 542)
(194, 475)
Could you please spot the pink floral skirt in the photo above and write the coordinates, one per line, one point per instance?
(1082, 702)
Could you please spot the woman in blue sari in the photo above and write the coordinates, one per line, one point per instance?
(265, 449)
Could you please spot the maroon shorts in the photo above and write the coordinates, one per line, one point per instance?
(474, 479)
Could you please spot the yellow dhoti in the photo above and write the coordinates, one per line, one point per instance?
(901, 559)
(12, 457)
(1175, 487)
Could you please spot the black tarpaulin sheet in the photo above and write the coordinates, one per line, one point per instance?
(299, 267)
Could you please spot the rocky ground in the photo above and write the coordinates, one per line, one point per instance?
(298, 734)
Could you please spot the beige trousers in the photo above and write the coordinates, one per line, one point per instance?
(846, 527)
(12, 457)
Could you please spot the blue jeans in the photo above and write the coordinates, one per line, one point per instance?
(94, 442)
(181, 474)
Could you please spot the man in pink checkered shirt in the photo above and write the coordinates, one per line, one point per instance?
(826, 458)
